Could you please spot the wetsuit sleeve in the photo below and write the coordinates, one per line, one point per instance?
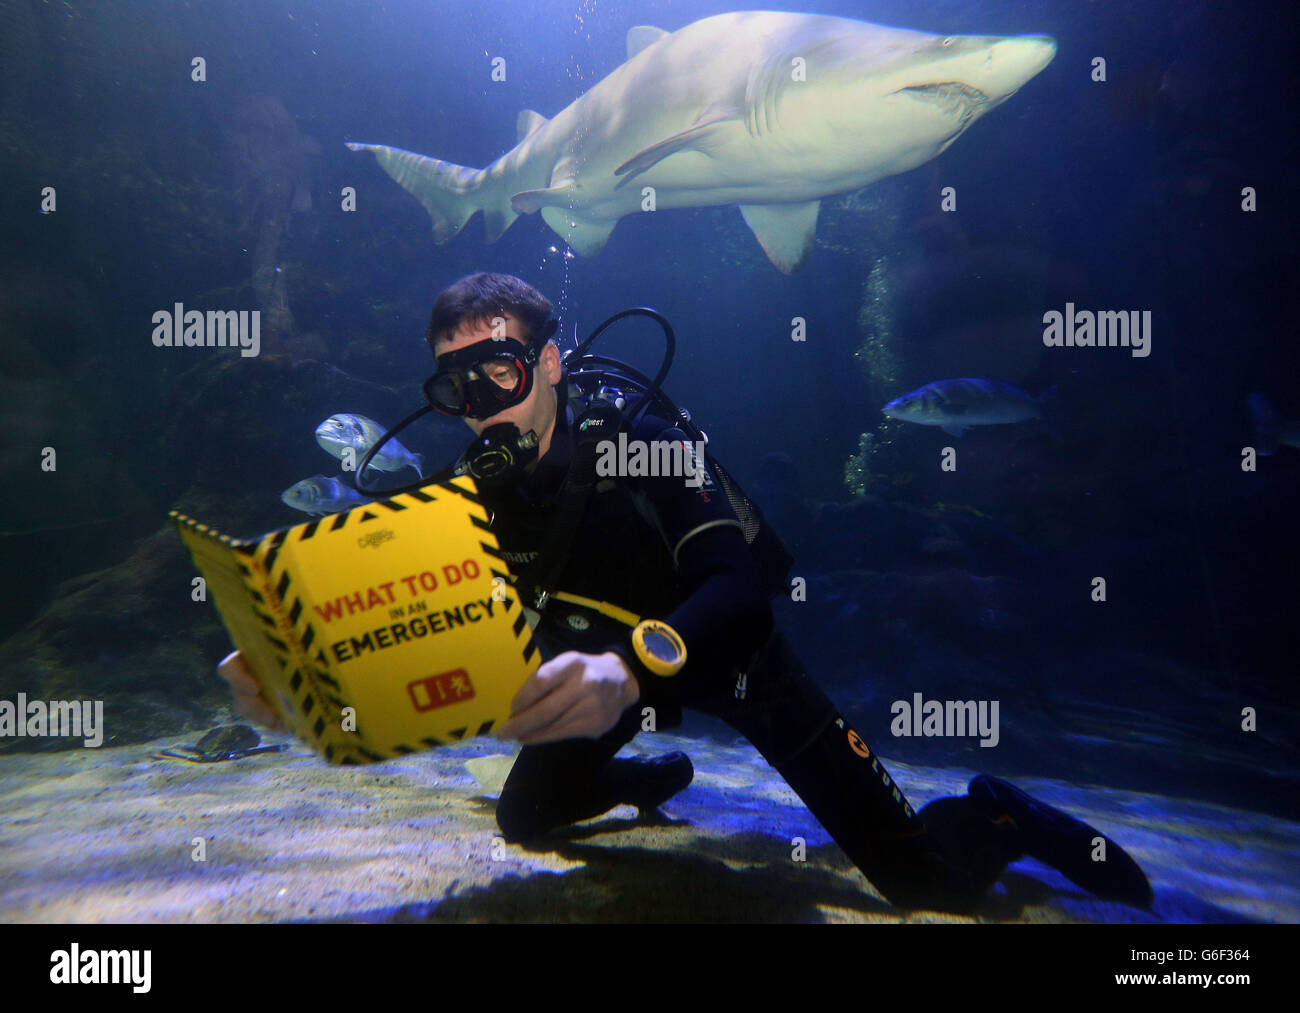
(725, 616)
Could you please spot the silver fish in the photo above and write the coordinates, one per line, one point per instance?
(1270, 428)
(345, 430)
(321, 495)
(956, 405)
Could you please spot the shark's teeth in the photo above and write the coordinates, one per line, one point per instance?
(955, 97)
(947, 91)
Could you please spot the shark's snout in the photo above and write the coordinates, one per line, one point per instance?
(978, 73)
(1015, 60)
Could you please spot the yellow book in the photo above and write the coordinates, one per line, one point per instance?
(378, 632)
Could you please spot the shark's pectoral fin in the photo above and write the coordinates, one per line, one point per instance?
(695, 137)
(642, 37)
(588, 238)
(528, 201)
(785, 231)
(527, 122)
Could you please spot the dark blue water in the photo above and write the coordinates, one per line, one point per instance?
(1117, 195)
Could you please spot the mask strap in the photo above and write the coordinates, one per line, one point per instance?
(546, 332)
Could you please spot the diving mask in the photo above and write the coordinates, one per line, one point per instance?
(487, 377)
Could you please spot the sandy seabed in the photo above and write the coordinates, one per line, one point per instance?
(110, 835)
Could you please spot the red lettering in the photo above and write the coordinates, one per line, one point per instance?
(388, 590)
(332, 610)
(373, 599)
(429, 584)
(451, 574)
(410, 584)
(348, 601)
(468, 566)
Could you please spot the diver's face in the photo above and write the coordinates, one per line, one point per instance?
(537, 410)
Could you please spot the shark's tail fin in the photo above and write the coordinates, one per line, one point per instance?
(450, 193)
(1266, 424)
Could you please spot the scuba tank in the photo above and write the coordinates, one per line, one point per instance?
(596, 381)
(614, 395)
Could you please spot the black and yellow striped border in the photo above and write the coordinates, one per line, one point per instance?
(313, 690)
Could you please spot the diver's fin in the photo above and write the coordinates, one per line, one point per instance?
(693, 136)
(641, 37)
(1266, 423)
(450, 193)
(785, 231)
(1063, 842)
(953, 430)
(527, 122)
(588, 238)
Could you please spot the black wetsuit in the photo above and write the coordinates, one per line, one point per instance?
(664, 550)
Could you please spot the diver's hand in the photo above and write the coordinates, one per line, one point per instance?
(248, 700)
(572, 696)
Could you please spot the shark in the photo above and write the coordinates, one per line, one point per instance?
(770, 110)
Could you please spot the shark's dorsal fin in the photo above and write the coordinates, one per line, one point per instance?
(785, 231)
(695, 137)
(641, 37)
(527, 122)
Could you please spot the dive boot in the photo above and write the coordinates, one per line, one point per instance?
(648, 784)
(1063, 842)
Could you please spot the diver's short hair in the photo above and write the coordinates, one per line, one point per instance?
(477, 298)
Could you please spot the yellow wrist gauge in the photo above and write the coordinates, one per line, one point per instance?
(659, 647)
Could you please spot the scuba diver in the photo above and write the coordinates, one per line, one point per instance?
(649, 594)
